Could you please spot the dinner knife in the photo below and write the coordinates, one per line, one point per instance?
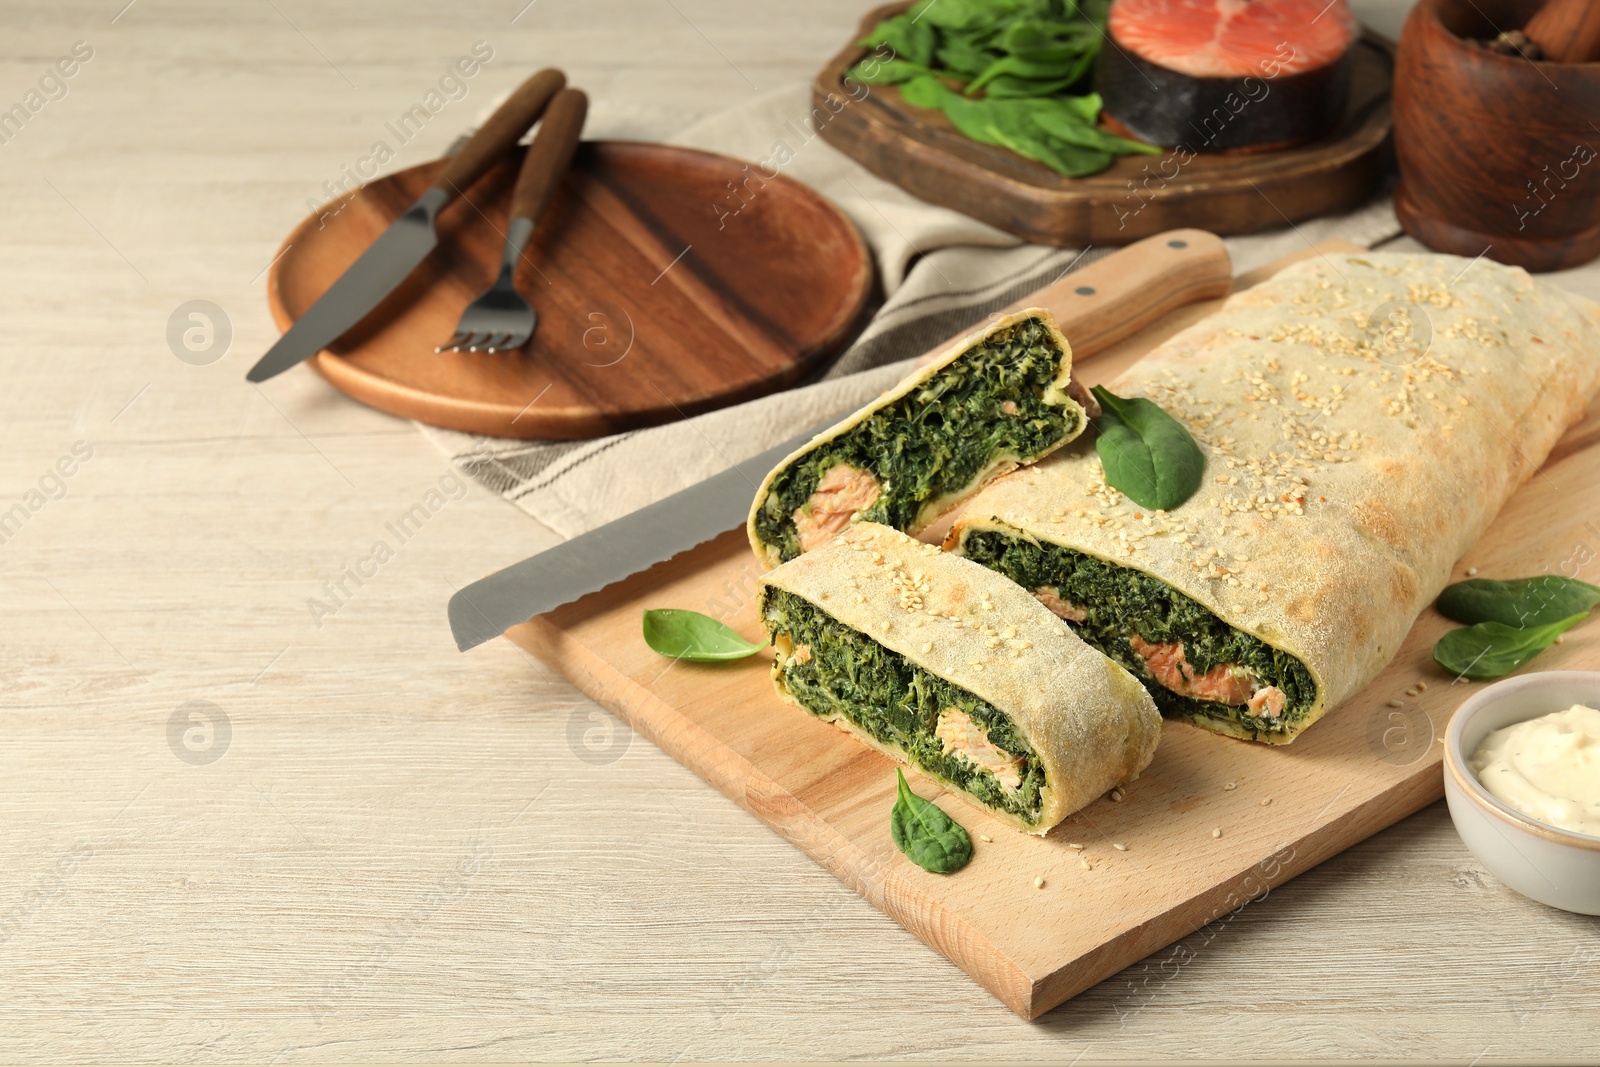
(1095, 306)
(409, 239)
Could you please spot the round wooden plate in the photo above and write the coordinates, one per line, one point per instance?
(656, 300)
(1138, 196)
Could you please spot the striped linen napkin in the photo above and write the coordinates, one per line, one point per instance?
(941, 273)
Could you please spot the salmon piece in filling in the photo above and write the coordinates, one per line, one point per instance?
(1050, 597)
(1225, 683)
(963, 736)
(843, 491)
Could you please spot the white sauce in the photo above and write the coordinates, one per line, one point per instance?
(1547, 768)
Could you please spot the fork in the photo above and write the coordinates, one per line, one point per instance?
(501, 319)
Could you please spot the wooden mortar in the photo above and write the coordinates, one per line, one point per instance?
(1498, 155)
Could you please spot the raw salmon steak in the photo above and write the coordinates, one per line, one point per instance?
(1231, 38)
(1212, 75)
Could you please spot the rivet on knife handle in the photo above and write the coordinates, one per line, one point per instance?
(502, 130)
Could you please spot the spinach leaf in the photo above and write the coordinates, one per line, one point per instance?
(961, 54)
(910, 39)
(886, 71)
(1147, 454)
(1022, 67)
(933, 841)
(926, 91)
(1069, 128)
(963, 14)
(1491, 649)
(1062, 158)
(1523, 602)
(1011, 87)
(692, 636)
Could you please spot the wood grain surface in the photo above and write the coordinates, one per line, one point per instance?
(650, 308)
(276, 905)
(1211, 824)
(1229, 192)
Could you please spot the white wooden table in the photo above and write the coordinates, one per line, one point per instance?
(399, 852)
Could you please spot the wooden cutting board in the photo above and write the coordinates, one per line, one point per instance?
(665, 281)
(1228, 192)
(1214, 823)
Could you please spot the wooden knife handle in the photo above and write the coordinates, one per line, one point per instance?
(503, 129)
(550, 154)
(1114, 298)
(1118, 296)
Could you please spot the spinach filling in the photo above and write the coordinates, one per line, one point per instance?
(1120, 601)
(896, 701)
(939, 439)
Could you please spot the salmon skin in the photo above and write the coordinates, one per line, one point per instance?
(1218, 75)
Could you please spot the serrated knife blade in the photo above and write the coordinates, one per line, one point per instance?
(490, 606)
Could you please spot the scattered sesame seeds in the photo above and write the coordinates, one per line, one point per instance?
(1266, 802)
(1397, 703)
(1471, 571)
(1231, 785)
(1119, 847)
(1038, 883)
(927, 646)
(1083, 861)
(1216, 831)
(1421, 686)
(1116, 796)
(1075, 846)
(985, 838)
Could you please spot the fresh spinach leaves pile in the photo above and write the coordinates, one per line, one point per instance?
(1508, 623)
(999, 69)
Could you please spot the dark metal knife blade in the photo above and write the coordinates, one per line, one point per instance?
(409, 239)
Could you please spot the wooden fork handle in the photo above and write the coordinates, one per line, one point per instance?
(503, 129)
(550, 154)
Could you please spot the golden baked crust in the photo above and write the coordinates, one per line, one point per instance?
(1089, 721)
(1349, 465)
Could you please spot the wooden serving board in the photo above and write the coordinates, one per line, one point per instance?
(655, 300)
(1235, 192)
(1279, 810)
